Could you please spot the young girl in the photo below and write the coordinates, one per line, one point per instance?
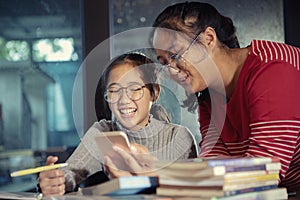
(129, 87)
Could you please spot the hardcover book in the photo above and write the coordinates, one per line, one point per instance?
(128, 185)
(273, 194)
(219, 181)
(202, 163)
(228, 171)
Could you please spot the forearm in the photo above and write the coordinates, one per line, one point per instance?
(275, 138)
(211, 144)
(81, 164)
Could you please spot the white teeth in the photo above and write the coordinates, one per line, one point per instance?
(127, 111)
(183, 79)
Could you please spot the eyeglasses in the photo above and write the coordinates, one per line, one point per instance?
(134, 92)
(174, 70)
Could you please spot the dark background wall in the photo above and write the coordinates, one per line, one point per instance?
(292, 22)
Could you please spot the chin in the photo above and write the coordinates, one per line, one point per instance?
(189, 89)
(127, 123)
(131, 125)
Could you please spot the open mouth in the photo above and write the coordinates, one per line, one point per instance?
(127, 111)
(185, 82)
(182, 80)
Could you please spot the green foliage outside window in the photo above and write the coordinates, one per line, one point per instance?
(14, 50)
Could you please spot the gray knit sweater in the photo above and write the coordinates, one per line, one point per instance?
(165, 141)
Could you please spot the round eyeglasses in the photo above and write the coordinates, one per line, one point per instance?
(134, 92)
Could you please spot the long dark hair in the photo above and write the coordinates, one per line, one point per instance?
(146, 66)
(192, 18)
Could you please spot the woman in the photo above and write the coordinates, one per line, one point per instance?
(129, 86)
(248, 98)
(263, 113)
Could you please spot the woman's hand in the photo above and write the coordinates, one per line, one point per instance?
(138, 162)
(52, 182)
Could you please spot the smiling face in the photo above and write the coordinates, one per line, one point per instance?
(167, 44)
(132, 114)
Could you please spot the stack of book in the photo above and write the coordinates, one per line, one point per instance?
(232, 178)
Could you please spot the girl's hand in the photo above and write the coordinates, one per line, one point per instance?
(112, 169)
(52, 182)
(138, 162)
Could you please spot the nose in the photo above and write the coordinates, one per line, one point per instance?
(124, 97)
(181, 75)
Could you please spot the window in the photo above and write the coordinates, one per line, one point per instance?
(14, 50)
(40, 54)
(54, 50)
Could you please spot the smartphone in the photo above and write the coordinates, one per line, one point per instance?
(106, 140)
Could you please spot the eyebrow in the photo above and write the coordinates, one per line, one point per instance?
(112, 84)
(129, 83)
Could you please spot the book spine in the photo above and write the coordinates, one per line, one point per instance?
(246, 174)
(245, 179)
(277, 193)
(241, 161)
(253, 189)
(268, 166)
(249, 185)
(137, 182)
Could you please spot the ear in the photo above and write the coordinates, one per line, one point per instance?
(209, 37)
(156, 92)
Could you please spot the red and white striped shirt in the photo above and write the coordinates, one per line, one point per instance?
(263, 114)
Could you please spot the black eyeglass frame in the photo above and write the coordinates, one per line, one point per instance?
(177, 57)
